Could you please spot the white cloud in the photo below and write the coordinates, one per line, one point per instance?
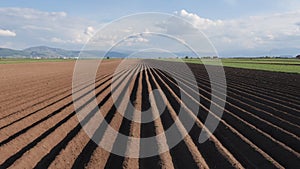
(36, 27)
(33, 27)
(199, 22)
(57, 40)
(89, 31)
(28, 13)
(7, 33)
(135, 40)
(256, 33)
(264, 32)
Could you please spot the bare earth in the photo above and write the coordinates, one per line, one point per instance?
(260, 127)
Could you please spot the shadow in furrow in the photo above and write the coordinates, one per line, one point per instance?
(32, 113)
(13, 158)
(181, 156)
(47, 160)
(269, 146)
(43, 119)
(13, 113)
(258, 120)
(87, 152)
(176, 106)
(16, 156)
(213, 157)
(147, 130)
(235, 145)
(116, 161)
(241, 150)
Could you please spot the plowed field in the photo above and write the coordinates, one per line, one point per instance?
(260, 126)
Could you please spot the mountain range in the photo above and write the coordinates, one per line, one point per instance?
(49, 52)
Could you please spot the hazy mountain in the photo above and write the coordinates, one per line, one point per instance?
(96, 53)
(5, 52)
(48, 52)
(44, 51)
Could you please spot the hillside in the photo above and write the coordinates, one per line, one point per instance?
(48, 52)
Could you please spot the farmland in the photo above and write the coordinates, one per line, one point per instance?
(260, 127)
(270, 64)
(29, 60)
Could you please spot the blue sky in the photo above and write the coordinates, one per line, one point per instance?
(236, 27)
(99, 10)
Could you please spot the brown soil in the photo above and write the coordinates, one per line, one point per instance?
(260, 127)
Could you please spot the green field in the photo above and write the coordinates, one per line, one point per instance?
(25, 60)
(277, 65)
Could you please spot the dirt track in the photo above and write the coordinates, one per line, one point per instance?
(260, 127)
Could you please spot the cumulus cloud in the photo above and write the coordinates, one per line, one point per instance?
(7, 33)
(135, 40)
(138, 38)
(263, 33)
(199, 22)
(89, 31)
(36, 27)
(28, 13)
(230, 36)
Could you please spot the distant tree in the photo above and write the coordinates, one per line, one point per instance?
(298, 56)
(186, 57)
(107, 57)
